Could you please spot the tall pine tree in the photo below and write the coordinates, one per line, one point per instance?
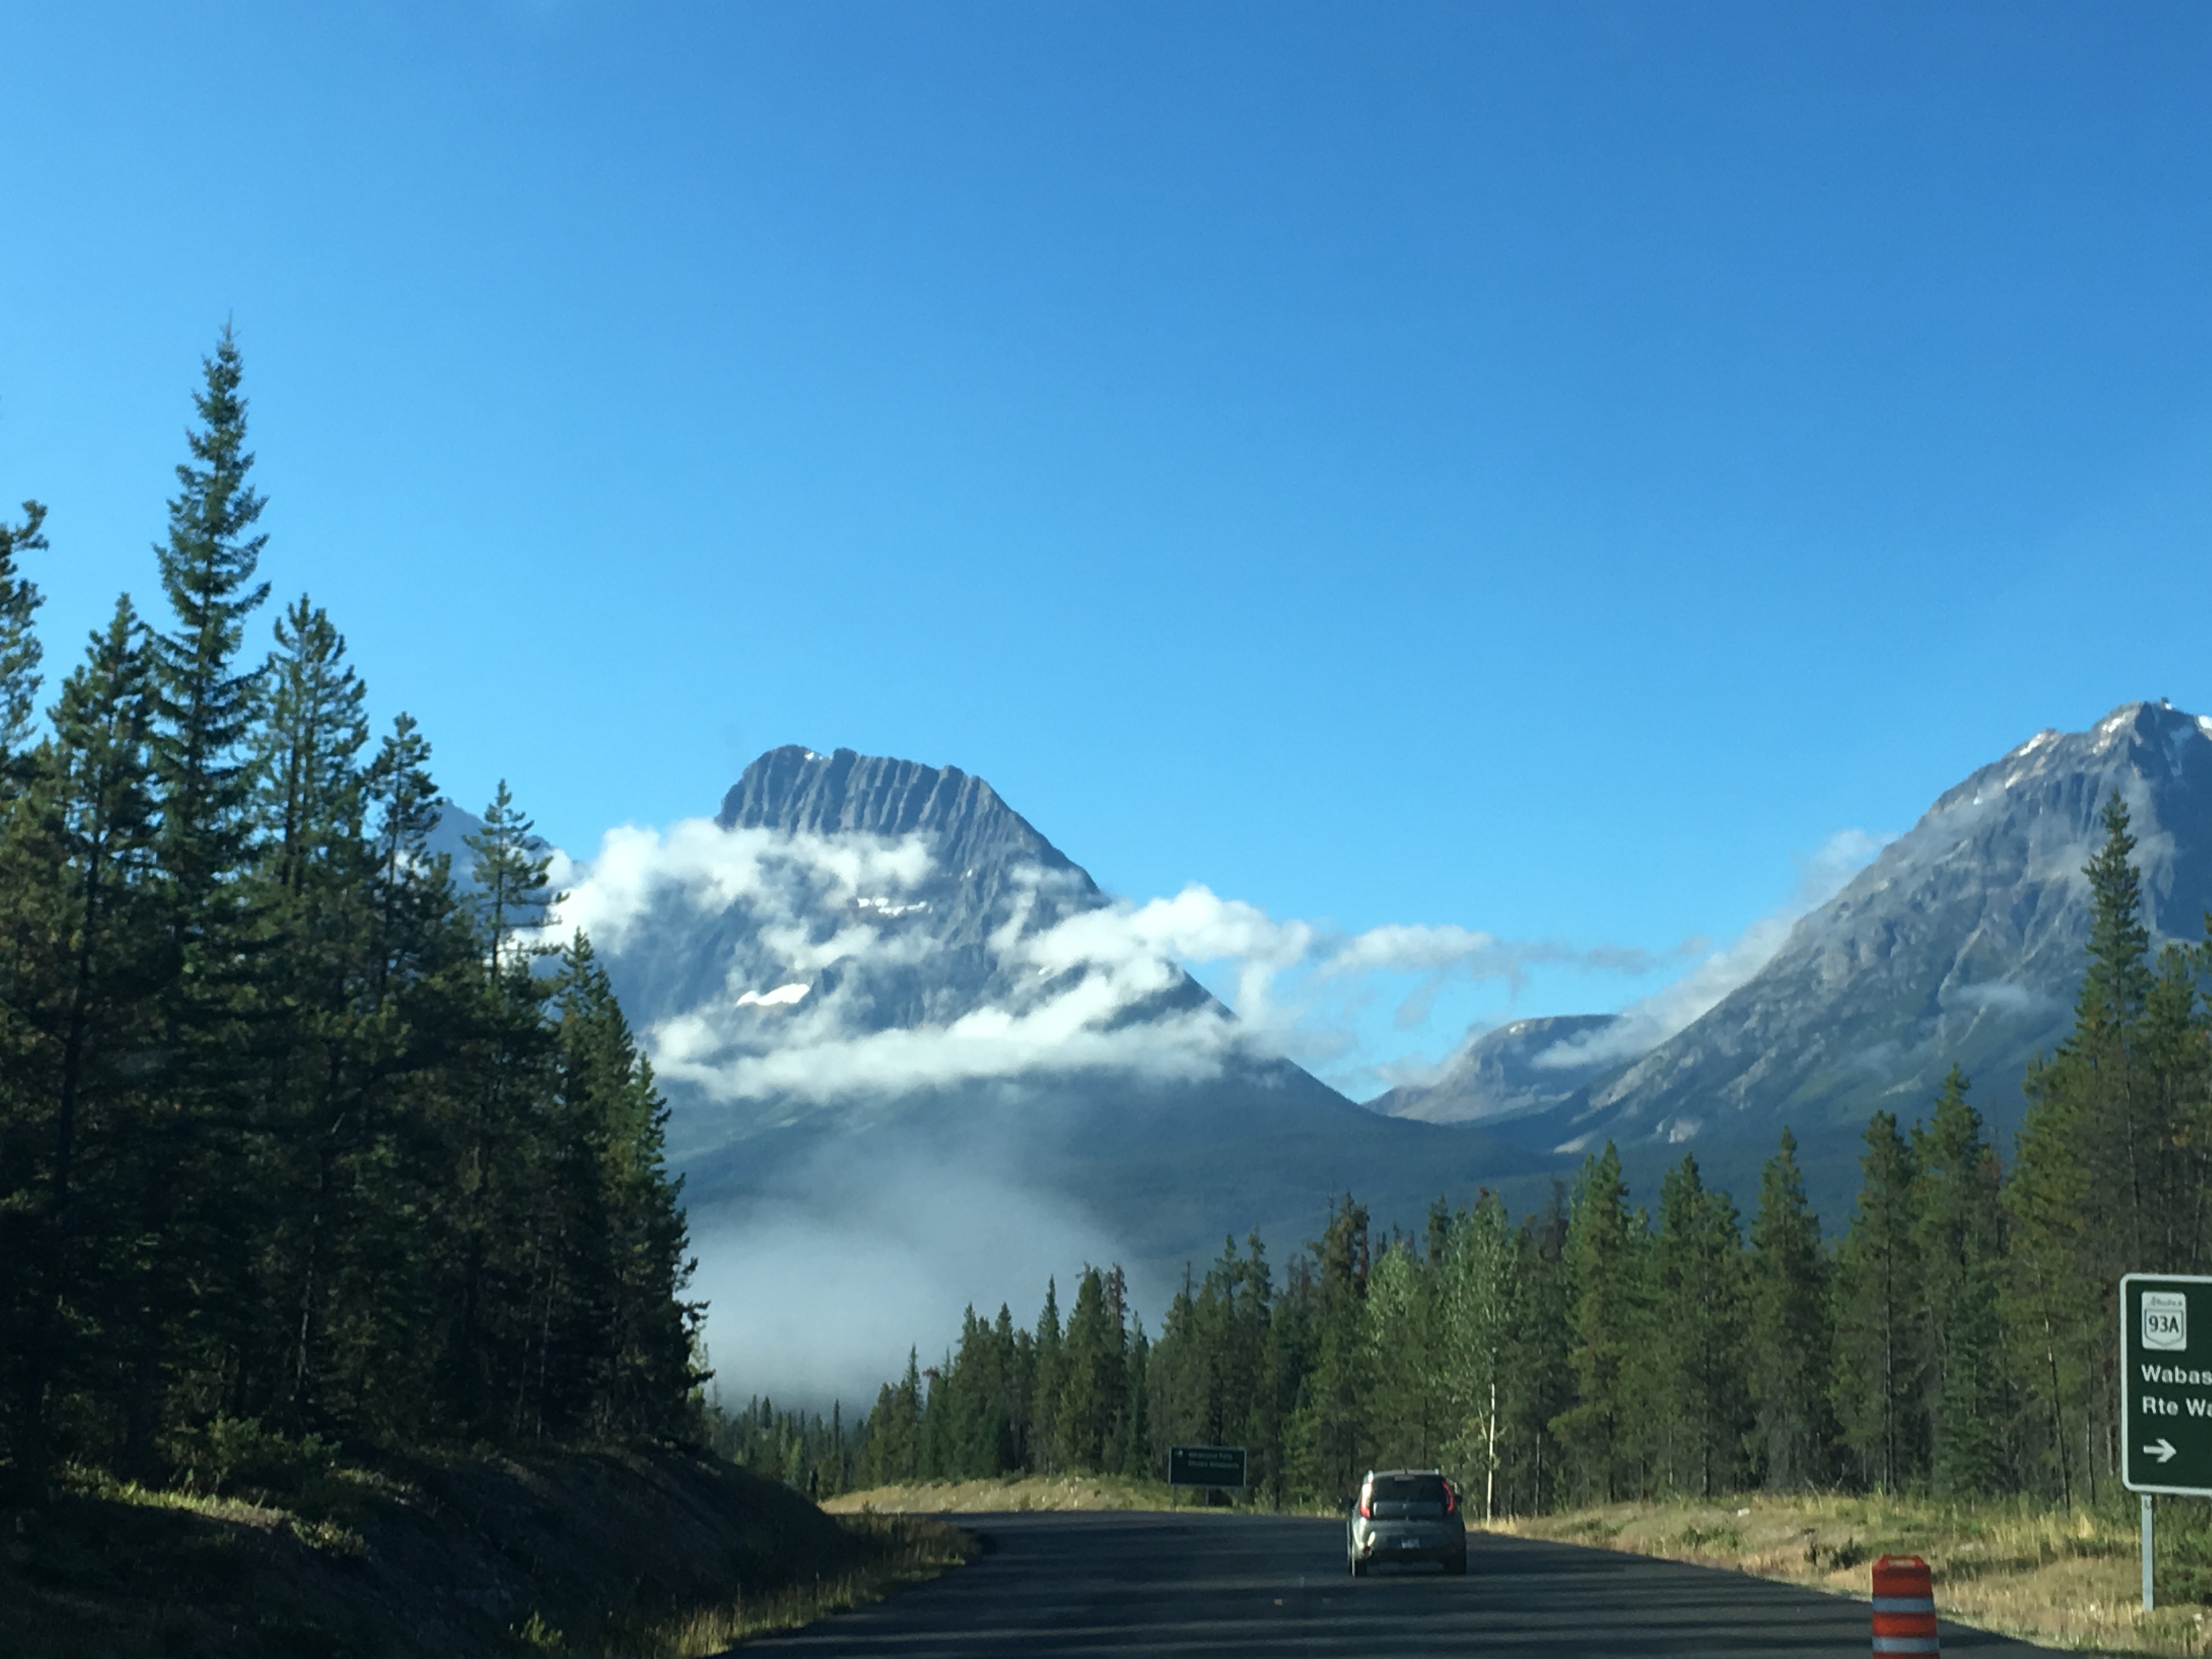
(1792, 1346)
(195, 1296)
(1880, 1338)
(1698, 1338)
(1960, 1236)
(1605, 1262)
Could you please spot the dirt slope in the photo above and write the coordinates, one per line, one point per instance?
(455, 1559)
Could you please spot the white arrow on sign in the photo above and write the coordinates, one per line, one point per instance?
(2163, 1451)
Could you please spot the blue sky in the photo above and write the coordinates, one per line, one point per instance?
(1543, 468)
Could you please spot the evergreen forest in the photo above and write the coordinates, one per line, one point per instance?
(1958, 1338)
(302, 1132)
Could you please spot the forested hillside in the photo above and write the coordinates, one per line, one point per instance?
(1958, 1338)
(293, 1135)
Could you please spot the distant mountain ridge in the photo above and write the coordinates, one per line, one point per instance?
(1502, 1075)
(1962, 942)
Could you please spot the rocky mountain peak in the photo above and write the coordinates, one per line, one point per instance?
(2138, 745)
(1502, 1075)
(1962, 942)
(797, 790)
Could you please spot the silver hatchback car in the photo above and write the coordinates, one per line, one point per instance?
(1405, 1514)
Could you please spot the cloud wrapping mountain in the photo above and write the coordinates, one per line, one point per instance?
(799, 952)
(908, 1045)
(1649, 1021)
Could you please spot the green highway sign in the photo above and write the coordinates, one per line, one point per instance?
(1206, 1465)
(2165, 1390)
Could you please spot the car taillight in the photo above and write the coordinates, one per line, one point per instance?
(1451, 1498)
(1366, 1509)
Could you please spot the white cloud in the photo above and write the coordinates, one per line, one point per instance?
(1440, 955)
(782, 997)
(2004, 995)
(1649, 1021)
(1067, 981)
(1829, 868)
(710, 868)
(934, 1234)
(1067, 1033)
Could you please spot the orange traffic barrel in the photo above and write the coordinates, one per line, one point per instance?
(1904, 1606)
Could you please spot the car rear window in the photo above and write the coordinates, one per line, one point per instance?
(1407, 1489)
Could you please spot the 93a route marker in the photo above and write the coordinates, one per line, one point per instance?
(2166, 1397)
(2165, 1393)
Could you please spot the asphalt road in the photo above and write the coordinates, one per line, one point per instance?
(1216, 1584)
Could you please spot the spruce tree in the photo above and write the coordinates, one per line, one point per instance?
(77, 870)
(1287, 1362)
(2117, 980)
(313, 994)
(1881, 1337)
(411, 888)
(1792, 1345)
(613, 1329)
(1136, 1454)
(1176, 1376)
(970, 1388)
(1958, 1230)
(506, 1234)
(1008, 1405)
(21, 653)
(1094, 1383)
(2108, 1175)
(1082, 1407)
(1047, 1379)
(906, 1422)
(1329, 1439)
(1537, 1384)
(1608, 1320)
(204, 702)
(512, 894)
(1698, 1329)
(196, 1291)
(2175, 1066)
(933, 1437)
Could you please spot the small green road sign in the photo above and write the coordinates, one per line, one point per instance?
(1206, 1465)
(2166, 1394)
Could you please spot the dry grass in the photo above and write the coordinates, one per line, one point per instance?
(1005, 1494)
(906, 1550)
(2066, 1579)
(321, 1533)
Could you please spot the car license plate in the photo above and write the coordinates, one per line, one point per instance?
(1412, 1543)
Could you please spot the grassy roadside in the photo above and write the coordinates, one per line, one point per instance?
(901, 1550)
(2066, 1579)
(606, 1554)
(1004, 1493)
